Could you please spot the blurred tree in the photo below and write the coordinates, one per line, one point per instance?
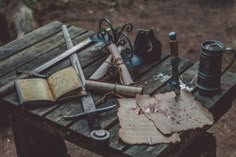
(125, 3)
(17, 18)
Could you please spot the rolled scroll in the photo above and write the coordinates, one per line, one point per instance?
(118, 61)
(103, 69)
(102, 87)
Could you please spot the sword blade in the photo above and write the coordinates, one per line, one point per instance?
(64, 55)
(9, 87)
(87, 100)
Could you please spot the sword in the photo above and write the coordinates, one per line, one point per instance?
(9, 87)
(87, 100)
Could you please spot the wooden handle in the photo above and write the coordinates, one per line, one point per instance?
(174, 49)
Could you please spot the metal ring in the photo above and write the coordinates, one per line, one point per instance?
(100, 135)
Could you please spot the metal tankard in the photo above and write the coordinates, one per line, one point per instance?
(209, 72)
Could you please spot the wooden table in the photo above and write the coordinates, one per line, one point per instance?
(40, 132)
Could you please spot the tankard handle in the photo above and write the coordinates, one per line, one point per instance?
(229, 49)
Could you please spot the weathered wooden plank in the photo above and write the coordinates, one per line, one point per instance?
(13, 99)
(97, 97)
(87, 53)
(217, 104)
(106, 118)
(86, 56)
(136, 73)
(42, 58)
(115, 141)
(35, 51)
(187, 78)
(9, 87)
(152, 82)
(91, 56)
(144, 150)
(141, 150)
(154, 77)
(29, 39)
(212, 103)
(73, 107)
(110, 117)
(103, 118)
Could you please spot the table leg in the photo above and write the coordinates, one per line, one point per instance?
(33, 142)
(205, 146)
(5, 111)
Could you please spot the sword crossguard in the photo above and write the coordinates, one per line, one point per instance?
(31, 73)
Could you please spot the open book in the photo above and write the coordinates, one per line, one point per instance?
(62, 85)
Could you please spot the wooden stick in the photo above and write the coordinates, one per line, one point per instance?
(103, 87)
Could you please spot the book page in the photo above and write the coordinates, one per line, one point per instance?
(64, 81)
(35, 89)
